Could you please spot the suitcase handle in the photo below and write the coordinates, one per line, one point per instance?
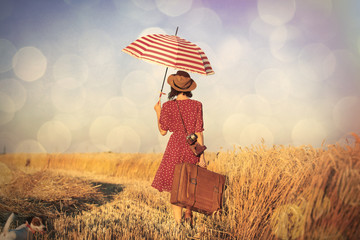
(193, 182)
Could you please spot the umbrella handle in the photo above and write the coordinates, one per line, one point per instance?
(161, 93)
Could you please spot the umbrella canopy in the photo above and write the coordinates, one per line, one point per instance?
(170, 51)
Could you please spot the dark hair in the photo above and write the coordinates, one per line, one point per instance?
(173, 93)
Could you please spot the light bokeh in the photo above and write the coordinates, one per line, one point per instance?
(276, 12)
(123, 139)
(29, 64)
(286, 72)
(174, 8)
(308, 132)
(70, 71)
(100, 129)
(29, 146)
(54, 136)
(273, 85)
(317, 62)
(346, 113)
(285, 42)
(68, 100)
(256, 133)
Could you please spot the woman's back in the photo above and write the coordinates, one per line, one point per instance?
(191, 113)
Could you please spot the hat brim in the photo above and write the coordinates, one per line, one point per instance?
(171, 82)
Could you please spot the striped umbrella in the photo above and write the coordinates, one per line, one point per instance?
(170, 51)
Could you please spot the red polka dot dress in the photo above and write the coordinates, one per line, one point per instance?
(177, 150)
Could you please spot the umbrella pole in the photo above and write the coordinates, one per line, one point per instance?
(162, 86)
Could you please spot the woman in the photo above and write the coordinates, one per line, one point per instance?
(169, 119)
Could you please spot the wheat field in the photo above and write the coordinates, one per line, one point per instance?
(278, 192)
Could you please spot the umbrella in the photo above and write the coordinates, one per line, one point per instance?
(170, 51)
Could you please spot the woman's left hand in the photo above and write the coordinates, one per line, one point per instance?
(202, 162)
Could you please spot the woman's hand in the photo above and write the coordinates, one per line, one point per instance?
(157, 106)
(202, 162)
(200, 140)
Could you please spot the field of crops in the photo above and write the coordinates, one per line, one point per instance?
(278, 192)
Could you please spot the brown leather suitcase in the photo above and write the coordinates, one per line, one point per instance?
(197, 188)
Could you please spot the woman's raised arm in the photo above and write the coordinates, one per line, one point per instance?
(157, 109)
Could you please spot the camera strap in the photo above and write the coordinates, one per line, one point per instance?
(181, 116)
(194, 147)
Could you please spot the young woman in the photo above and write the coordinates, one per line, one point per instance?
(178, 150)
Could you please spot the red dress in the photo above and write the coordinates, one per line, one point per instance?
(177, 150)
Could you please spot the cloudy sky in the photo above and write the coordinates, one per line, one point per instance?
(286, 72)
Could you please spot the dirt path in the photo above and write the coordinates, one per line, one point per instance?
(85, 206)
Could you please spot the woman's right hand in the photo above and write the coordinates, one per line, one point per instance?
(157, 106)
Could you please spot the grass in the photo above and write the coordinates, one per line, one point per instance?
(278, 192)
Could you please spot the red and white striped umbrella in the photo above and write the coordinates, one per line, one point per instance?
(170, 51)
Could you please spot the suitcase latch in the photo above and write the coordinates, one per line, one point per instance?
(216, 189)
(193, 181)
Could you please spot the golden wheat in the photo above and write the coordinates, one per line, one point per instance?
(278, 192)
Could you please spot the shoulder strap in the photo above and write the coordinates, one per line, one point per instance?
(181, 116)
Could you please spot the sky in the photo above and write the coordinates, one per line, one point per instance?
(286, 73)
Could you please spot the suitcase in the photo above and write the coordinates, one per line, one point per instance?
(198, 188)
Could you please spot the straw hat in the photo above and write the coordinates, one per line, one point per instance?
(181, 81)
